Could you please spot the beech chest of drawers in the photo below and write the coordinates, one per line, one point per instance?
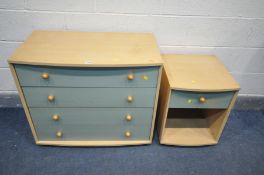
(197, 94)
(88, 89)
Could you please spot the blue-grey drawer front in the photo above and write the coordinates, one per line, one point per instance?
(87, 77)
(184, 99)
(89, 97)
(92, 123)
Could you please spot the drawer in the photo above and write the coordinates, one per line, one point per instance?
(87, 77)
(184, 99)
(89, 97)
(92, 123)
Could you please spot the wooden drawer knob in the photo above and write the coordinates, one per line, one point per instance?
(51, 98)
(202, 100)
(130, 98)
(129, 117)
(128, 134)
(130, 76)
(59, 134)
(45, 76)
(55, 117)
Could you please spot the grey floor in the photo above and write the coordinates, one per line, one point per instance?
(240, 151)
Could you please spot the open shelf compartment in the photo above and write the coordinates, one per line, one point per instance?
(193, 127)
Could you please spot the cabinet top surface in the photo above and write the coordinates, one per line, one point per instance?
(88, 49)
(198, 73)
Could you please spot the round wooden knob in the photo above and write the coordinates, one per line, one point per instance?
(202, 99)
(45, 76)
(128, 134)
(55, 117)
(51, 98)
(130, 76)
(129, 118)
(59, 134)
(130, 98)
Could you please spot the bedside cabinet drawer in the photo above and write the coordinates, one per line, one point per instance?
(89, 97)
(185, 99)
(87, 77)
(92, 123)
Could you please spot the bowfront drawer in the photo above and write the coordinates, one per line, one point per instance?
(87, 77)
(92, 123)
(185, 99)
(89, 97)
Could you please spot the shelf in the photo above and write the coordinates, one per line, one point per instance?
(192, 127)
(190, 135)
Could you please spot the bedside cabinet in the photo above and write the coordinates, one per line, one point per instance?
(88, 89)
(196, 96)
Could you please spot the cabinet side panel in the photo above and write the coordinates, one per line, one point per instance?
(23, 101)
(163, 103)
(156, 104)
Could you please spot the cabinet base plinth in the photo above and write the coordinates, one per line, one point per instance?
(94, 143)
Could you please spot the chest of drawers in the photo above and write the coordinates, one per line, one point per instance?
(88, 89)
(197, 94)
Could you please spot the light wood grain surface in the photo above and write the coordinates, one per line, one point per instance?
(23, 101)
(88, 49)
(94, 143)
(198, 73)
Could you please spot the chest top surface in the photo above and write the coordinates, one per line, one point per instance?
(88, 49)
(198, 73)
